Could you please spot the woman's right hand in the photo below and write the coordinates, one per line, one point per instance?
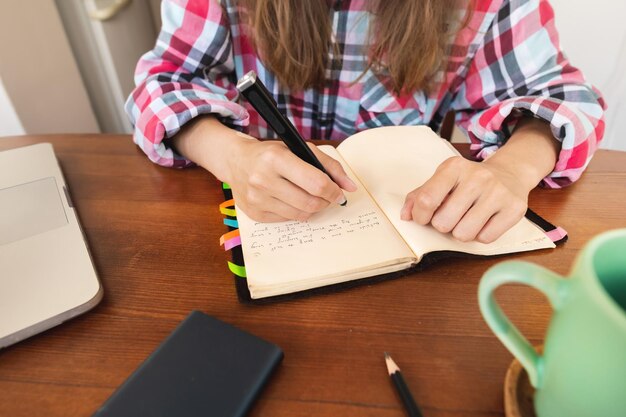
(272, 184)
(269, 182)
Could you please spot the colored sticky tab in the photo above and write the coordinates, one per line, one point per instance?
(231, 223)
(225, 186)
(231, 243)
(556, 234)
(230, 235)
(238, 270)
(228, 211)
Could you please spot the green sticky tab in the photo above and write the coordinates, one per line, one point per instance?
(225, 186)
(228, 212)
(238, 270)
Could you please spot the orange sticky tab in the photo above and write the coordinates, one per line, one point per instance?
(228, 203)
(228, 236)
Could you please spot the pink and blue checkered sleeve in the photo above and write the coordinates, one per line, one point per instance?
(185, 75)
(519, 70)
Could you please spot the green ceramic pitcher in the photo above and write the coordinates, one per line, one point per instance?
(582, 370)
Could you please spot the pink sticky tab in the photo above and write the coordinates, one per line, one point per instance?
(556, 234)
(229, 244)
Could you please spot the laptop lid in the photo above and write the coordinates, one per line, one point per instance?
(46, 272)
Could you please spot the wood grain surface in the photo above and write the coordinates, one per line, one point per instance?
(154, 232)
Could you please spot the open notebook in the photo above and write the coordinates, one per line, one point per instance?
(367, 237)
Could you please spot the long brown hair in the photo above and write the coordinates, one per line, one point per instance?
(408, 39)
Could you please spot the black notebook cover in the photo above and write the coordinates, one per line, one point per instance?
(204, 368)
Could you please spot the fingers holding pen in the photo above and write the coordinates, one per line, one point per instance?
(309, 180)
(286, 199)
(265, 208)
(272, 184)
(334, 169)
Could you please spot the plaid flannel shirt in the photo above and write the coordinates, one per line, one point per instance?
(503, 64)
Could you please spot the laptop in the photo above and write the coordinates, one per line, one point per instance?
(46, 272)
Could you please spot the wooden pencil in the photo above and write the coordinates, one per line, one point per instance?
(403, 390)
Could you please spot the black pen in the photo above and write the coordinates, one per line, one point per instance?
(398, 381)
(257, 95)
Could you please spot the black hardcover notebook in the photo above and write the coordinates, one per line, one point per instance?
(365, 240)
(204, 368)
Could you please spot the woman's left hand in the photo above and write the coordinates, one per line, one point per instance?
(482, 200)
(473, 200)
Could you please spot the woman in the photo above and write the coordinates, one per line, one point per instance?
(337, 67)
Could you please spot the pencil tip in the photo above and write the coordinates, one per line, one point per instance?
(391, 365)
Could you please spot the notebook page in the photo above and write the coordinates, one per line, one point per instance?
(392, 161)
(335, 242)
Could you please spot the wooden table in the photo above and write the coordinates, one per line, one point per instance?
(154, 237)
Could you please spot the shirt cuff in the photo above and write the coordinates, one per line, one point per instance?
(164, 118)
(578, 131)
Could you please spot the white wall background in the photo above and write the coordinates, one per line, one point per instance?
(39, 72)
(593, 36)
(10, 124)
